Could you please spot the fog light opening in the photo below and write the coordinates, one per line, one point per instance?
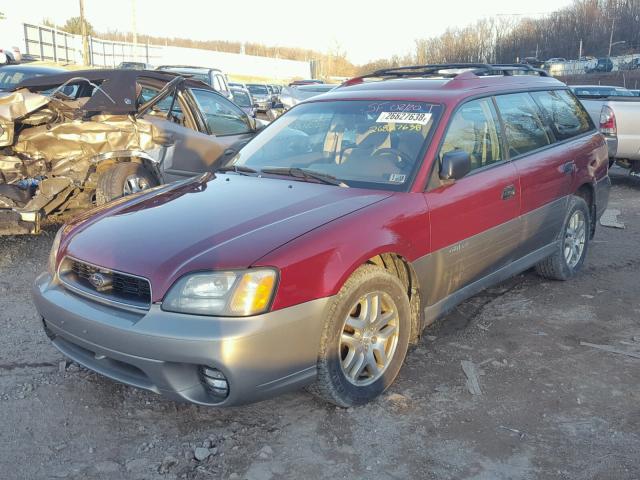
(215, 382)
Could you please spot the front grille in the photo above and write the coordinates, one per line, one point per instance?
(110, 285)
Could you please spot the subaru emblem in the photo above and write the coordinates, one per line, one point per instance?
(97, 280)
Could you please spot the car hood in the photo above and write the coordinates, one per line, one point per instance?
(227, 222)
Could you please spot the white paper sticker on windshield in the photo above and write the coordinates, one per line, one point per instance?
(397, 178)
(404, 117)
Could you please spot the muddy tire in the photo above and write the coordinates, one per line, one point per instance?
(365, 338)
(123, 179)
(573, 244)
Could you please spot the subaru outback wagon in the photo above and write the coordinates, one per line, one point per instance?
(324, 248)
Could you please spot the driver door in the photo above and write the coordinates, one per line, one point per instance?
(228, 130)
(192, 145)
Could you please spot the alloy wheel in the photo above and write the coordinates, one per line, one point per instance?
(135, 184)
(575, 238)
(369, 338)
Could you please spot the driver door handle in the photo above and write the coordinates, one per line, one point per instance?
(508, 192)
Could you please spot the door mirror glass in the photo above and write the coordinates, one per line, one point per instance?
(455, 165)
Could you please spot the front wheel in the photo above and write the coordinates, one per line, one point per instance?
(123, 179)
(365, 338)
(572, 244)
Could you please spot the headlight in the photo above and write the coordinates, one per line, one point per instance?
(53, 254)
(231, 294)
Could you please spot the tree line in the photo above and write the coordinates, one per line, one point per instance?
(507, 39)
(502, 39)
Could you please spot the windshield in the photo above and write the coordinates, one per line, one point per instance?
(362, 143)
(241, 98)
(258, 89)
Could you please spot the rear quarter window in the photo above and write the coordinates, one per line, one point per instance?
(525, 129)
(567, 116)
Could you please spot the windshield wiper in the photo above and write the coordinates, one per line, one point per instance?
(304, 174)
(239, 169)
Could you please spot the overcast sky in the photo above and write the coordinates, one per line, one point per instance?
(366, 30)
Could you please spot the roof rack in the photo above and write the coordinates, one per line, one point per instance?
(440, 70)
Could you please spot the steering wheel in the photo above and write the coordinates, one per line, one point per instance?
(398, 157)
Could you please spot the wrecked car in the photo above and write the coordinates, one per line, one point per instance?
(78, 139)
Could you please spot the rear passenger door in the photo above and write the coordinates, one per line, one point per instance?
(475, 220)
(545, 170)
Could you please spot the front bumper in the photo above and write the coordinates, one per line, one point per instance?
(260, 356)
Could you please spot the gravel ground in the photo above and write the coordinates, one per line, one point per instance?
(549, 408)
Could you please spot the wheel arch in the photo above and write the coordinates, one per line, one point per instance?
(587, 192)
(108, 159)
(399, 266)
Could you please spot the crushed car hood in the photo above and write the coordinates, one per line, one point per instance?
(229, 222)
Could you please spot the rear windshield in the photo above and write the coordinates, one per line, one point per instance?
(258, 89)
(362, 143)
(241, 98)
(601, 92)
(11, 78)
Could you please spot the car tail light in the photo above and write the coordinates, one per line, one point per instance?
(608, 121)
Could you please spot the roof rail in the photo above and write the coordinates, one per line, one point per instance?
(440, 70)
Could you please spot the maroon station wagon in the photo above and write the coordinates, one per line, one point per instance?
(324, 248)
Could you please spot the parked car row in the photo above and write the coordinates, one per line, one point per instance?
(315, 255)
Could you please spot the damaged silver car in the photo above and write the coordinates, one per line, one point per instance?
(79, 139)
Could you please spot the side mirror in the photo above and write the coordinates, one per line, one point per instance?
(255, 105)
(455, 165)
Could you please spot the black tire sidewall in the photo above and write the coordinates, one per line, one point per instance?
(111, 182)
(379, 281)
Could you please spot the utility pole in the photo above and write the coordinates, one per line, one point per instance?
(580, 52)
(134, 29)
(85, 36)
(613, 24)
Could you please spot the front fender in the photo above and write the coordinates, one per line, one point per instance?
(317, 264)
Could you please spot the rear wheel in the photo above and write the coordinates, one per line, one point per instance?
(123, 179)
(365, 338)
(572, 246)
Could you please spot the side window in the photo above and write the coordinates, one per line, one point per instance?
(222, 116)
(524, 128)
(475, 129)
(147, 93)
(565, 113)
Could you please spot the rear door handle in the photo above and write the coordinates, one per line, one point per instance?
(508, 192)
(567, 168)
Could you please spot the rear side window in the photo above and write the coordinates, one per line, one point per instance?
(475, 129)
(524, 128)
(565, 114)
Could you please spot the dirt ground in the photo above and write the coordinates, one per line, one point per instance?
(550, 407)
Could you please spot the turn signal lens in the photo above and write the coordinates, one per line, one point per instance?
(253, 293)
